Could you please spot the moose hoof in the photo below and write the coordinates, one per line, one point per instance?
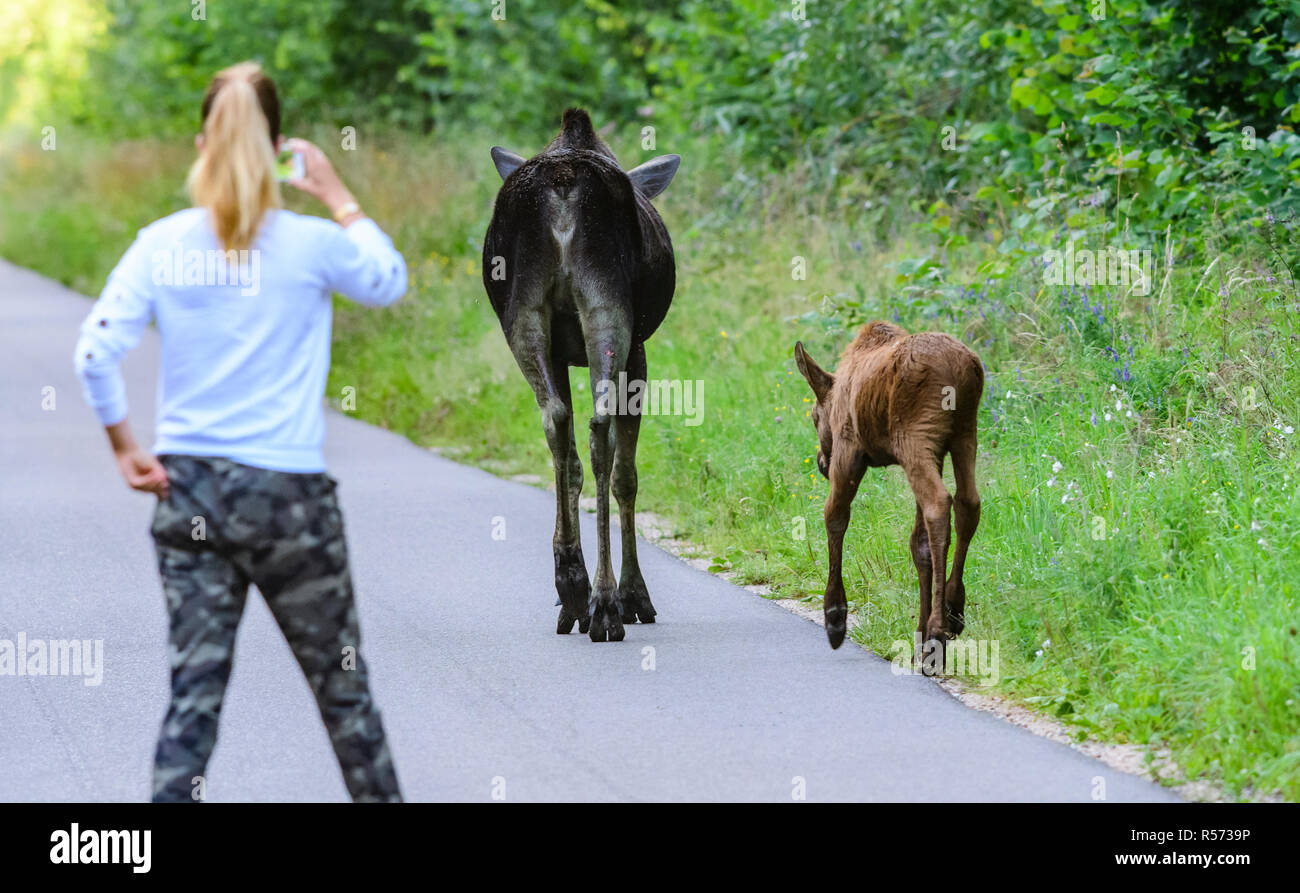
(636, 603)
(606, 621)
(565, 624)
(836, 623)
(954, 608)
(954, 622)
(573, 589)
(931, 657)
(835, 634)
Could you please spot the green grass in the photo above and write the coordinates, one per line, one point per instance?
(1143, 593)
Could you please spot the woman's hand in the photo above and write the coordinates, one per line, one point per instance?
(140, 469)
(318, 178)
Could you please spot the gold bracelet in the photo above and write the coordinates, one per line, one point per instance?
(345, 209)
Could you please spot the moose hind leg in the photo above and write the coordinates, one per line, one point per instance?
(607, 337)
(966, 518)
(920, 544)
(926, 480)
(604, 608)
(632, 591)
(571, 582)
(550, 384)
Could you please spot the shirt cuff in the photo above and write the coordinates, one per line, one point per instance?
(107, 397)
(366, 233)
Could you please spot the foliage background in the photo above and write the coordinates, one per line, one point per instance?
(1155, 96)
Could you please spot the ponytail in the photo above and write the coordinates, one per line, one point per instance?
(234, 176)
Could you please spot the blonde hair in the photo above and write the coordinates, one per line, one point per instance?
(234, 176)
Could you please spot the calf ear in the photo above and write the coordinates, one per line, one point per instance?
(654, 176)
(506, 162)
(818, 378)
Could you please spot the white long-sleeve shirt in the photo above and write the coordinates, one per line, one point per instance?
(245, 338)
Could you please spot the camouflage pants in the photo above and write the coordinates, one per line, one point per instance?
(224, 526)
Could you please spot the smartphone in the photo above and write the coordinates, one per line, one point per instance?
(289, 166)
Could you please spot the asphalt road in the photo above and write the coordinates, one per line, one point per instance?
(478, 693)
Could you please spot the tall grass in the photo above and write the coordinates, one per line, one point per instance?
(1138, 463)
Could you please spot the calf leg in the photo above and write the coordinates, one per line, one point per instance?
(966, 517)
(926, 479)
(920, 544)
(632, 591)
(845, 476)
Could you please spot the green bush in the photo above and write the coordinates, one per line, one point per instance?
(1154, 111)
(1168, 109)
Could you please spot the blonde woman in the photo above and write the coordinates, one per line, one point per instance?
(240, 291)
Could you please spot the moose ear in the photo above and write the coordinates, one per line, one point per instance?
(506, 162)
(818, 378)
(654, 176)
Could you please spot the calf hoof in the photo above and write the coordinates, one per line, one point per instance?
(954, 622)
(836, 624)
(938, 629)
(930, 658)
(954, 608)
(565, 624)
(636, 602)
(606, 620)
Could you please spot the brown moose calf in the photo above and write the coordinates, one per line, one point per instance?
(908, 400)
